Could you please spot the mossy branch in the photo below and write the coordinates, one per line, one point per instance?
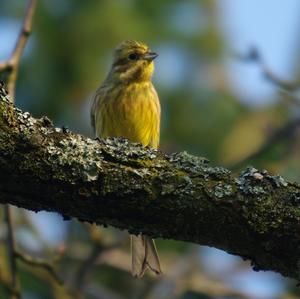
(112, 182)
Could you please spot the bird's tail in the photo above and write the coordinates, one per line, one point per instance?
(144, 256)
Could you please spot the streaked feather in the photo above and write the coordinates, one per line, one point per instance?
(132, 112)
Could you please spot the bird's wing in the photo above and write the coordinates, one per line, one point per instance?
(98, 96)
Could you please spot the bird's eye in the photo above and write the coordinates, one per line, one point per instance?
(132, 56)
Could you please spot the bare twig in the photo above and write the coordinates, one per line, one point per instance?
(287, 87)
(34, 262)
(284, 133)
(12, 64)
(96, 252)
(86, 266)
(254, 55)
(15, 286)
(289, 98)
(9, 290)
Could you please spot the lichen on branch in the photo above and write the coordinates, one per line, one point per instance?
(255, 215)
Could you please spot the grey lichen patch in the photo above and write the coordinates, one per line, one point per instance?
(186, 185)
(46, 122)
(294, 198)
(81, 155)
(122, 151)
(223, 190)
(27, 129)
(248, 182)
(277, 181)
(180, 186)
(197, 166)
(23, 122)
(188, 162)
(215, 172)
(122, 181)
(91, 171)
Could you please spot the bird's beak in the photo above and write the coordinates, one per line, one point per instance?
(150, 56)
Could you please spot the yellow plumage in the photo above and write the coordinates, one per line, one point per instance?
(131, 111)
(126, 105)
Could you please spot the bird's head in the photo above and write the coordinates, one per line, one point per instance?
(133, 62)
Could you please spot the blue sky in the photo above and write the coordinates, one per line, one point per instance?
(270, 25)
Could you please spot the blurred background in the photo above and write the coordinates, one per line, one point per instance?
(228, 79)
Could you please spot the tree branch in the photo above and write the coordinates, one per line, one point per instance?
(11, 244)
(112, 182)
(12, 64)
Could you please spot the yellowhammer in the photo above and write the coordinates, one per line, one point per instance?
(126, 105)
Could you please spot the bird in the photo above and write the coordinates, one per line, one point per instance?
(126, 105)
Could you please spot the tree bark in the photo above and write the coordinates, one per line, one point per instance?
(113, 182)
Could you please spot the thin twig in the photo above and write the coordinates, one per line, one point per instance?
(12, 64)
(288, 130)
(11, 244)
(8, 289)
(254, 55)
(40, 263)
(98, 249)
(11, 251)
(290, 99)
(86, 266)
(283, 133)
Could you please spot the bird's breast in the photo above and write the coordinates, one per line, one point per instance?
(132, 112)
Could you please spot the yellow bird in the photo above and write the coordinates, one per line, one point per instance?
(126, 105)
